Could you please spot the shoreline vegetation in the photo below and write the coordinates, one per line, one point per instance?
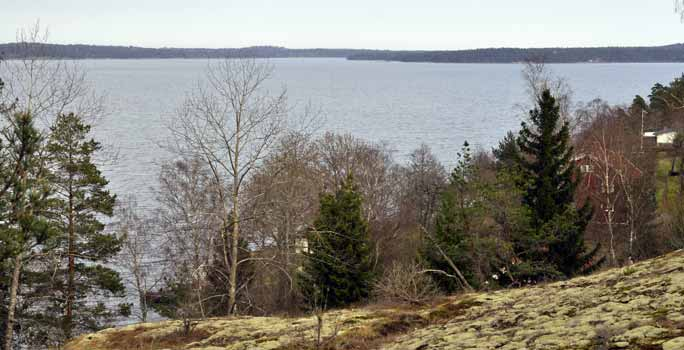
(655, 54)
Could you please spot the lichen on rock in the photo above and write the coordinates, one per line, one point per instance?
(639, 307)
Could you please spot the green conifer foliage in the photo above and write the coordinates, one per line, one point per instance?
(24, 227)
(457, 223)
(555, 244)
(506, 153)
(81, 200)
(337, 269)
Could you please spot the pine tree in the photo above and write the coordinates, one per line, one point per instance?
(337, 269)
(80, 201)
(24, 228)
(556, 240)
(461, 210)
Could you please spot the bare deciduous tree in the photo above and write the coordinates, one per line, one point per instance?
(44, 86)
(538, 77)
(426, 178)
(231, 122)
(189, 219)
(285, 193)
(616, 179)
(602, 154)
(138, 252)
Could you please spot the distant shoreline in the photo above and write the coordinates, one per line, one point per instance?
(657, 54)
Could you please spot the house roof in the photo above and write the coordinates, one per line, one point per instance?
(654, 133)
(665, 131)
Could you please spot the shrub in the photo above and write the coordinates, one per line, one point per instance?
(405, 283)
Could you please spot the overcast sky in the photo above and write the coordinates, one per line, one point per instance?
(377, 24)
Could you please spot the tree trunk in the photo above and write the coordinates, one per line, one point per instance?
(226, 257)
(461, 278)
(142, 290)
(11, 309)
(71, 288)
(235, 237)
(632, 232)
(681, 178)
(612, 236)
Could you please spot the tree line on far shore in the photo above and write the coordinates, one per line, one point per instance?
(668, 53)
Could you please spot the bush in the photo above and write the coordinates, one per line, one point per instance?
(405, 283)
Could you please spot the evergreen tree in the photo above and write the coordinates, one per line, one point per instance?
(556, 240)
(461, 210)
(337, 270)
(81, 200)
(24, 200)
(506, 153)
(639, 104)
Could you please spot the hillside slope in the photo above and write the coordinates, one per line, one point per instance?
(639, 307)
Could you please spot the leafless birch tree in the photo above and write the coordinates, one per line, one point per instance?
(137, 255)
(537, 77)
(603, 159)
(189, 220)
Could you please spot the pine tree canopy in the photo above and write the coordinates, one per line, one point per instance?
(338, 265)
(23, 189)
(84, 249)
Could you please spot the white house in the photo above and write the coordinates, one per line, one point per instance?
(660, 138)
(665, 137)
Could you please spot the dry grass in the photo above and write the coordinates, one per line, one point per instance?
(403, 319)
(131, 340)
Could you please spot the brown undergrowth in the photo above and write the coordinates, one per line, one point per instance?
(403, 319)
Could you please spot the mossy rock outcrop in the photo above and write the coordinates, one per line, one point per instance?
(636, 307)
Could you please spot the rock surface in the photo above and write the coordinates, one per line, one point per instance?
(637, 307)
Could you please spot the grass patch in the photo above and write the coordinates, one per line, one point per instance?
(135, 340)
(365, 337)
(667, 187)
(629, 271)
(388, 325)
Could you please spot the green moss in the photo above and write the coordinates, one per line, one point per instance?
(629, 271)
(449, 311)
(643, 311)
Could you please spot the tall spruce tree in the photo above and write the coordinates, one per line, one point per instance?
(337, 270)
(556, 240)
(84, 249)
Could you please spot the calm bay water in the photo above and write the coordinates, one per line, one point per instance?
(402, 104)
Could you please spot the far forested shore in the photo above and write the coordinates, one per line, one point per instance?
(654, 54)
